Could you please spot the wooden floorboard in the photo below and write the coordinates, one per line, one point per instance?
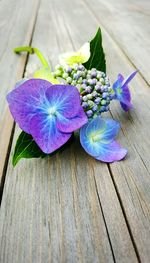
(131, 177)
(128, 23)
(17, 20)
(71, 208)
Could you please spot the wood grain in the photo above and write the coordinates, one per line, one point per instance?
(131, 177)
(128, 23)
(15, 29)
(71, 208)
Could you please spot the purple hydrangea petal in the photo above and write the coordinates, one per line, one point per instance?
(118, 82)
(20, 82)
(97, 139)
(120, 77)
(112, 128)
(48, 112)
(88, 146)
(66, 99)
(125, 99)
(45, 133)
(25, 100)
(111, 152)
(37, 95)
(107, 129)
(126, 107)
(70, 125)
(122, 92)
(129, 78)
(97, 124)
(125, 95)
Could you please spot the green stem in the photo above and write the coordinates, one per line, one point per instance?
(32, 50)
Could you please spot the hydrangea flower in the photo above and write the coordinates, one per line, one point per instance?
(97, 137)
(50, 113)
(80, 56)
(122, 92)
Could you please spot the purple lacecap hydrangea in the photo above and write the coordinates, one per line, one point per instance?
(50, 113)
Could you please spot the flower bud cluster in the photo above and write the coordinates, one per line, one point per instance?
(93, 85)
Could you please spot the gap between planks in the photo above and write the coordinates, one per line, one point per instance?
(102, 210)
(124, 214)
(8, 121)
(109, 168)
(129, 64)
(94, 14)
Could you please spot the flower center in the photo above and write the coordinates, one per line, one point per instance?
(52, 111)
(119, 90)
(95, 137)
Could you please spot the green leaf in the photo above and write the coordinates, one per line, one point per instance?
(45, 73)
(26, 147)
(97, 58)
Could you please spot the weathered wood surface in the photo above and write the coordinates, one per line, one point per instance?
(72, 208)
(128, 24)
(17, 19)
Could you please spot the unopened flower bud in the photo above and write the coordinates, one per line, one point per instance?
(102, 109)
(94, 93)
(103, 102)
(85, 98)
(88, 89)
(89, 96)
(85, 105)
(97, 100)
(84, 86)
(89, 113)
(81, 67)
(105, 88)
(57, 73)
(69, 69)
(84, 81)
(90, 103)
(98, 87)
(99, 75)
(65, 75)
(102, 80)
(104, 95)
(73, 83)
(69, 80)
(102, 88)
(76, 76)
(93, 74)
(79, 80)
(95, 107)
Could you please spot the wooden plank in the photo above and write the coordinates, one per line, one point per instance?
(60, 204)
(52, 214)
(65, 237)
(128, 23)
(16, 29)
(132, 176)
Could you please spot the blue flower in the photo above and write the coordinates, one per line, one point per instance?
(122, 92)
(97, 137)
(50, 113)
